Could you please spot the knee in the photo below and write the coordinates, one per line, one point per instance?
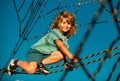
(57, 55)
(31, 70)
(60, 57)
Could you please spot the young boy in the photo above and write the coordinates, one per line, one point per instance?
(50, 49)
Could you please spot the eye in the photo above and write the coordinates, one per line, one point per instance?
(69, 23)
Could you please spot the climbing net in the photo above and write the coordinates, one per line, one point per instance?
(37, 10)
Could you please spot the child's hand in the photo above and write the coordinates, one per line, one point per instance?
(75, 59)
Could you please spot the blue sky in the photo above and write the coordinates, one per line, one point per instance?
(98, 40)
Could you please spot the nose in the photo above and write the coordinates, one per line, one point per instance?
(66, 24)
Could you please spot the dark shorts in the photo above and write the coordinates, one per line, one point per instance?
(35, 56)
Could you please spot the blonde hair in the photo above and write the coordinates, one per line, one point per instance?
(71, 19)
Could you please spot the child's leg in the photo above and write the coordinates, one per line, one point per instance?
(28, 67)
(55, 57)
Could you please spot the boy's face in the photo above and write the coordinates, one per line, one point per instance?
(65, 25)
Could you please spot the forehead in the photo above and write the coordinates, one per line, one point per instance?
(65, 20)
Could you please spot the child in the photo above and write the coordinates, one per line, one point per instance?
(50, 49)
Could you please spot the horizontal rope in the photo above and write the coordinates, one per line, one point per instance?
(95, 54)
(57, 71)
(20, 71)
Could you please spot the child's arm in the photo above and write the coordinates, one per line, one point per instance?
(64, 49)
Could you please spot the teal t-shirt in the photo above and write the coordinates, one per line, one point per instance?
(46, 44)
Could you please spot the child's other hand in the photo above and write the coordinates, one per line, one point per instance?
(75, 59)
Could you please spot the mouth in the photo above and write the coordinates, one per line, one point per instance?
(65, 29)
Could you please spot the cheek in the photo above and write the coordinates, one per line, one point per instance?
(62, 25)
(69, 26)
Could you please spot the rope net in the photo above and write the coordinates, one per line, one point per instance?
(108, 55)
(30, 19)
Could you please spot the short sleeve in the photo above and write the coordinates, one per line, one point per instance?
(55, 34)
